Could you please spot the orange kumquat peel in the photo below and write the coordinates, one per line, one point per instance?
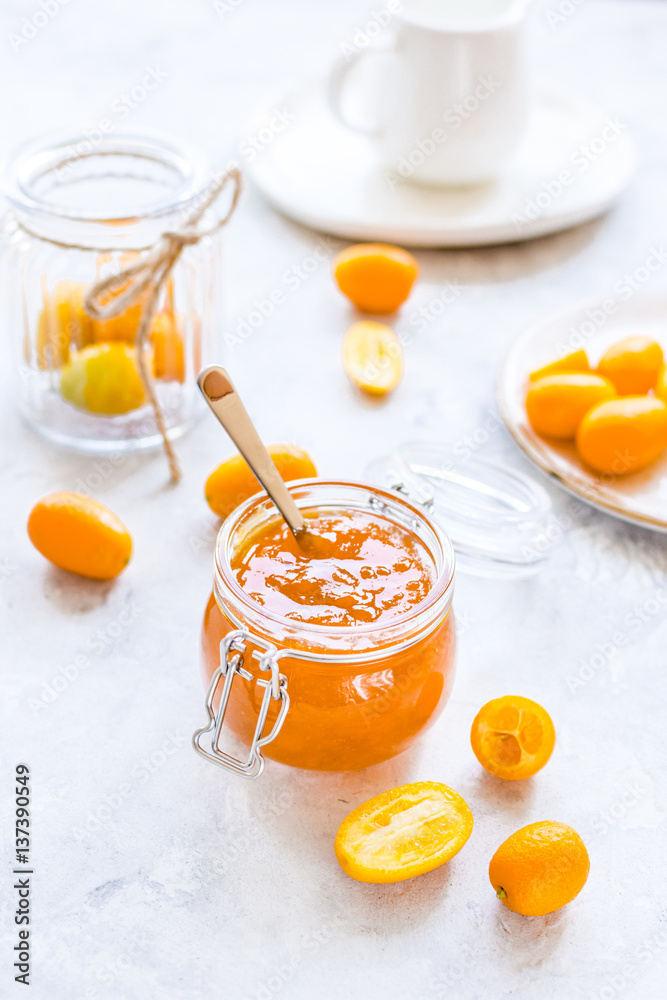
(623, 435)
(633, 365)
(233, 482)
(404, 832)
(512, 737)
(575, 362)
(539, 868)
(80, 534)
(556, 404)
(375, 277)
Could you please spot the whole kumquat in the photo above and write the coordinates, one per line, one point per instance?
(63, 324)
(539, 868)
(375, 277)
(623, 435)
(512, 737)
(233, 482)
(80, 534)
(556, 404)
(403, 832)
(632, 364)
(168, 349)
(103, 378)
(575, 362)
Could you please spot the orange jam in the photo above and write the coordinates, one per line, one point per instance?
(362, 604)
(351, 567)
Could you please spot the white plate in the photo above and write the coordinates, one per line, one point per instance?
(641, 497)
(325, 176)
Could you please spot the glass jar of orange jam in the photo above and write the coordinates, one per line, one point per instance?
(336, 651)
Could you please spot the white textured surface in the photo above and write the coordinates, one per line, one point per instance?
(199, 886)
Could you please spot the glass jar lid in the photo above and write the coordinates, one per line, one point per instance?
(499, 520)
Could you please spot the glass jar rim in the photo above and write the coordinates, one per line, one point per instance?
(308, 493)
(38, 157)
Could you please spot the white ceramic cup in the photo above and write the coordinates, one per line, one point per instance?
(445, 90)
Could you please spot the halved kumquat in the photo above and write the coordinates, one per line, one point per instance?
(623, 435)
(512, 737)
(556, 404)
(661, 384)
(373, 357)
(575, 362)
(632, 364)
(376, 277)
(404, 832)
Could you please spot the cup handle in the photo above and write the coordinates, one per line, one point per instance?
(338, 79)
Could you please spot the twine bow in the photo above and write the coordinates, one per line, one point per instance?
(150, 274)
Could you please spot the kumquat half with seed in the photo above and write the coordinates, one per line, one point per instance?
(512, 737)
(403, 832)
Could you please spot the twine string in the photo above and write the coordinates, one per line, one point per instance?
(150, 274)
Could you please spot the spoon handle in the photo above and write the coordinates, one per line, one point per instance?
(219, 392)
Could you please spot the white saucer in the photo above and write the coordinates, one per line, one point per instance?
(327, 177)
(640, 498)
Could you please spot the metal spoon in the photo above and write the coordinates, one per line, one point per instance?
(219, 392)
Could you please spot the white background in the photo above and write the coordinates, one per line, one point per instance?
(196, 885)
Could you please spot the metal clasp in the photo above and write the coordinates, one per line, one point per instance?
(416, 494)
(401, 478)
(232, 652)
